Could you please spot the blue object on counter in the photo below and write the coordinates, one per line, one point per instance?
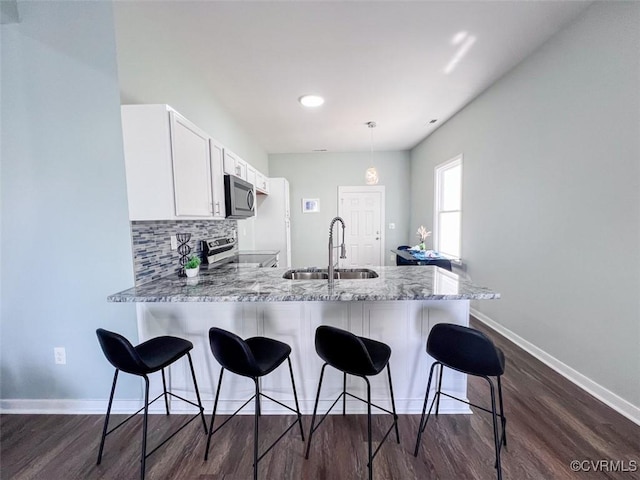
(426, 254)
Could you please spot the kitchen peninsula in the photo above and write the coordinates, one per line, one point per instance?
(399, 307)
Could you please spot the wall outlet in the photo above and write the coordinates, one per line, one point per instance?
(60, 355)
(174, 242)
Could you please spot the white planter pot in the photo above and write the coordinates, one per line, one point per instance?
(192, 272)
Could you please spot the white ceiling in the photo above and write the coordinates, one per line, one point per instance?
(372, 61)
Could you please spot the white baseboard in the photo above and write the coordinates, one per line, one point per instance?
(619, 404)
(67, 406)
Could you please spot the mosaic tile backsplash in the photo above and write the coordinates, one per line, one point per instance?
(152, 254)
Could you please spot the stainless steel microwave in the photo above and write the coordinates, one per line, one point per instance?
(239, 197)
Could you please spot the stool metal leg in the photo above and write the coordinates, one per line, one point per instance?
(106, 419)
(502, 417)
(295, 397)
(495, 428)
(393, 404)
(144, 426)
(213, 415)
(344, 393)
(369, 445)
(195, 384)
(315, 410)
(255, 431)
(423, 421)
(439, 389)
(164, 389)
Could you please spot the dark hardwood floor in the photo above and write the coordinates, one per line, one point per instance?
(551, 423)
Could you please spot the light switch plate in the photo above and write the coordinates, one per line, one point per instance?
(392, 226)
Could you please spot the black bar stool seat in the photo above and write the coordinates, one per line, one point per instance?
(469, 351)
(358, 356)
(268, 353)
(160, 352)
(254, 357)
(148, 357)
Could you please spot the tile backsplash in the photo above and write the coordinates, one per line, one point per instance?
(152, 254)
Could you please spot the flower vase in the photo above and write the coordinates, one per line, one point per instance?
(421, 246)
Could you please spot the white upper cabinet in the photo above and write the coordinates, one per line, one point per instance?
(234, 165)
(173, 170)
(262, 183)
(251, 175)
(217, 179)
(191, 157)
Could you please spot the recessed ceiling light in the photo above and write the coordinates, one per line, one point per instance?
(311, 100)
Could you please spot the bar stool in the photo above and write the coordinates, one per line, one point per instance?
(146, 358)
(253, 358)
(357, 356)
(468, 351)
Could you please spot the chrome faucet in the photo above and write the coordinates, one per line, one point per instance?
(343, 249)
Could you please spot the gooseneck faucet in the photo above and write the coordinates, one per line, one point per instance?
(343, 249)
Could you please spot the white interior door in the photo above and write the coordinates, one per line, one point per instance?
(362, 209)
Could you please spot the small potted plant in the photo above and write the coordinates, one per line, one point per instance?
(192, 267)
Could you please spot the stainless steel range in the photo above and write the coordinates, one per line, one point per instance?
(223, 250)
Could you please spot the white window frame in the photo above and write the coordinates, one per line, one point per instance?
(438, 176)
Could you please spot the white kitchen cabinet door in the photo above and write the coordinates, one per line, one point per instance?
(285, 322)
(147, 156)
(217, 180)
(262, 183)
(241, 168)
(229, 162)
(234, 165)
(251, 175)
(191, 168)
(170, 170)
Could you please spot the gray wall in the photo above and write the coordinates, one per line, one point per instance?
(318, 175)
(146, 77)
(65, 233)
(551, 195)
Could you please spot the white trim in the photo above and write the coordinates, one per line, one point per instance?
(66, 406)
(437, 171)
(619, 404)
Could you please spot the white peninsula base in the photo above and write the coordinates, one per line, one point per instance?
(403, 325)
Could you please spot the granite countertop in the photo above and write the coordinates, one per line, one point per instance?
(231, 283)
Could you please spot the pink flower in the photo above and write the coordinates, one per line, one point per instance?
(423, 233)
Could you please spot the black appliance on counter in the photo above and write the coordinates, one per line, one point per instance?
(239, 197)
(223, 250)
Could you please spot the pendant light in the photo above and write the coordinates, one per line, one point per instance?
(371, 175)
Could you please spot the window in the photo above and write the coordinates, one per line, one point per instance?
(448, 207)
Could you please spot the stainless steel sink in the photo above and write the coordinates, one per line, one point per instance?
(339, 274)
(305, 275)
(354, 273)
